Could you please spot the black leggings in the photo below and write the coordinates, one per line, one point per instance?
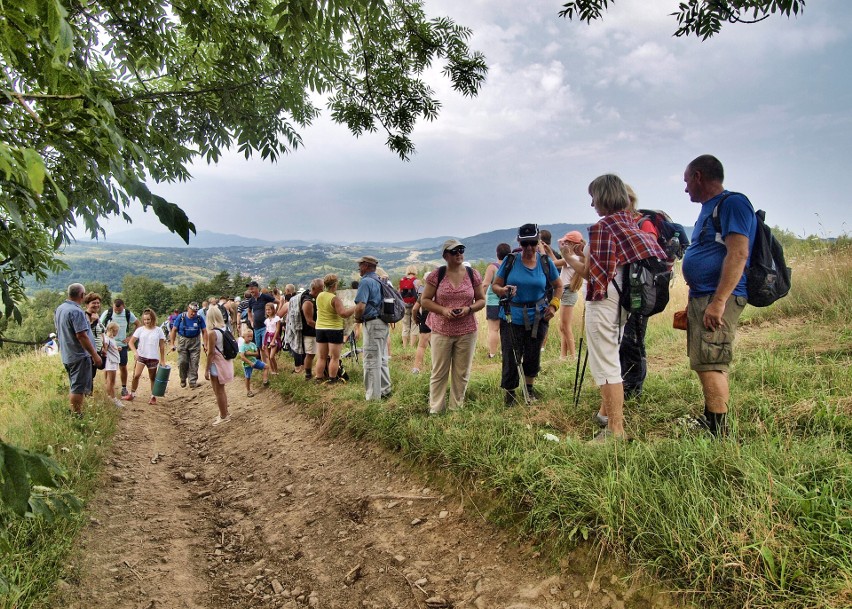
(528, 347)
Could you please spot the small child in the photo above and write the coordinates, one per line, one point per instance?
(248, 353)
(112, 361)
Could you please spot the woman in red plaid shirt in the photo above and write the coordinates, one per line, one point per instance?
(614, 241)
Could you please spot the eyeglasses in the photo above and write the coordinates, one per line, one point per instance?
(456, 251)
(529, 243)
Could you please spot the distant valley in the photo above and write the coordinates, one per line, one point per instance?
(286, 262)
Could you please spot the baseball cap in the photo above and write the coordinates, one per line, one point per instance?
(369, 260)
(573, 236)
(193, 306)
(450, 244)
(528, 231)
(252, 284)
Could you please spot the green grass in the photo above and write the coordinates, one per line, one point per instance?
(762, 519)
(33, 391)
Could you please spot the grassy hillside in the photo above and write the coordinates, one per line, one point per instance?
(761, 519)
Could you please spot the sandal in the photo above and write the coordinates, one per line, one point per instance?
(250, 394)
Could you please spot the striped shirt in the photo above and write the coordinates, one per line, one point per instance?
(614, 241)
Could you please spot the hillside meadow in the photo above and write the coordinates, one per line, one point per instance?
(761, 519)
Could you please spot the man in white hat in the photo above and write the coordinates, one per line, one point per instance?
(368, 307)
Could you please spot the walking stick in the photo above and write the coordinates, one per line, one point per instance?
(577, 370)
(577, 387)
(518, 356)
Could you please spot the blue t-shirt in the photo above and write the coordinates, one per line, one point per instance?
(370, 292)
(702, 262)
(530, 284)
(190, 327)
(69, 320)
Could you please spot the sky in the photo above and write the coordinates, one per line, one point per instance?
(564, 102)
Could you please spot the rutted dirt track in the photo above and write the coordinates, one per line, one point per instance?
(265, 511)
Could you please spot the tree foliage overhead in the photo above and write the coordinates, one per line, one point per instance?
(100, 99)
(704, 18)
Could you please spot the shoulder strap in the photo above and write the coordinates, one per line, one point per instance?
(510, 262)
(442, 272)
(127, 316)
(108, 317)
(545, 267)
(717, 221)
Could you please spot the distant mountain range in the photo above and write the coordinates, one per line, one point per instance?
(164, 257)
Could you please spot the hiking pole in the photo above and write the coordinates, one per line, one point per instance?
(582, 376)
(577, 369)
(522, 381)
(577, 385)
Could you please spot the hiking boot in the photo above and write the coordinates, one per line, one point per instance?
(601, 420)
(715, 423)
(123, 391)
(183, 382)
(532, 393)
(509, 398)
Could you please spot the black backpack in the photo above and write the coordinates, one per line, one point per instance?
(108, 317)
(768, 278)
(645, 286)
(666, 231)
(230, 347)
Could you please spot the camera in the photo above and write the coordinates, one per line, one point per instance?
(457, 311)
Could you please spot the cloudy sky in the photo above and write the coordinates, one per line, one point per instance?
(564, 102)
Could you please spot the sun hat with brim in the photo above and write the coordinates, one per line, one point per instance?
(451, 244)
(369, 260)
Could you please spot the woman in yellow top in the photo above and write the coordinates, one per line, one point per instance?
(330, 315)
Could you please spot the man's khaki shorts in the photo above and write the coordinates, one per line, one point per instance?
(712, 349)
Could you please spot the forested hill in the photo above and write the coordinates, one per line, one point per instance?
(111, 262)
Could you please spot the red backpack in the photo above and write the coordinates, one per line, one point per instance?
(408, 290)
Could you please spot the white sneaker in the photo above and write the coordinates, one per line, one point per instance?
(220, 420)
(415, 371)
(117, 403)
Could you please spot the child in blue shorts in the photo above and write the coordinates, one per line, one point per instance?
(249, 353)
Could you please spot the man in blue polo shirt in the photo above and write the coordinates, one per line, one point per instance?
(76, 345)
(257, 311)
(368, 306)
(189, 330)
(714, 268)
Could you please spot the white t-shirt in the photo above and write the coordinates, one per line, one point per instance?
(148, 341)
(271, 322)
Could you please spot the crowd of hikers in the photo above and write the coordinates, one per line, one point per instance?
(625, 266)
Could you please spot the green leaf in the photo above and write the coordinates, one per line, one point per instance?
(36, 170)
(14, 483)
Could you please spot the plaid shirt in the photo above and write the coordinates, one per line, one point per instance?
(615, 241)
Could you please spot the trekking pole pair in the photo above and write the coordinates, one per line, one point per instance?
(518, 355)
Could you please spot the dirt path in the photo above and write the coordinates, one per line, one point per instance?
(265, 512)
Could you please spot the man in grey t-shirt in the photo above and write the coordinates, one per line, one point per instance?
(76, 345)
(127, 324)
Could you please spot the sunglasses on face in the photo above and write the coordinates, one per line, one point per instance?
(529, 243)
(456, 251)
